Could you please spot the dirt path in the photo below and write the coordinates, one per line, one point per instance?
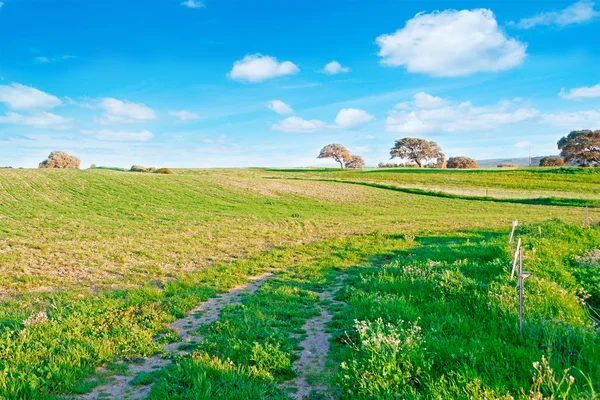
(311, 365)
(119, 386)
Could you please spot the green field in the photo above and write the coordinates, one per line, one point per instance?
(412, 268)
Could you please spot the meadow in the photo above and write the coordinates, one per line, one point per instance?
(96, 264)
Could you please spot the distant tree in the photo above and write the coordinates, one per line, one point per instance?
(581, 147)
(417, 150)
(338, 152)
(551, 162)
(462, 163)
(93, 166)
(163, 171)
(356, 162)
(60, 159)
(507, 165)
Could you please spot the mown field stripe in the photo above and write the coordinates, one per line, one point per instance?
(542, 201)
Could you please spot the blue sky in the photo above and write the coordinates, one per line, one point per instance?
(235, 83)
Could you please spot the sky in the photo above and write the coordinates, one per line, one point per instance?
(243, 83)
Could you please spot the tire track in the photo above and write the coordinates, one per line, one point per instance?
(119, 386)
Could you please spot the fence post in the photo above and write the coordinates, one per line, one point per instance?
(521, 290)
(516, 259)
(515, 223)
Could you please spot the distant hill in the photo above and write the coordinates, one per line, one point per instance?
(521, 162)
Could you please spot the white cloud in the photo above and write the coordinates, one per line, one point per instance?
(123, 111)
(122, 136)
(43, 120)
(422, 117)
(451, 43)
(334, 68)
(280, 107)
(21, 97)
(299, 125)
(350, 118)
(577, 13)
(522, 145)
(46, 60)
(192, 4)
(425, 100)
(589, 119)
(184, 115)
(256, 68)
(584, 92)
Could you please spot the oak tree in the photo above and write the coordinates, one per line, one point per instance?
(581, 147)
(551, 162)
(462, 163)
(356, 162)
(417, 150)
(60, 159)
(338, 152)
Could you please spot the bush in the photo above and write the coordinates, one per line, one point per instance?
(508, 166)
(552, 162)
(137, 168)
(462, 163)
(93, 166)
(166, 171)
(60, 159)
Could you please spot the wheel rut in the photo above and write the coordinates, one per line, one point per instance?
(311, 365)
(120, 386)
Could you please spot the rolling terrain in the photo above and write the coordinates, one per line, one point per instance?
(399, 291)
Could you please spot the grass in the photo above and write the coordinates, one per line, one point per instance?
(95, 264)
(570, 182)
(441, 321)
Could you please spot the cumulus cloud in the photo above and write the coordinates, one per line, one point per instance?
(589, 119)
(184, 115)
(577, 13)
(123, 111)
(438, 115)
(280, 107)
(192, 4)
(451, 43)
(21, 97)
(350, 118)
(334, 68)
(584, 92)
(121, 136)
(256, 68)
(42, 120)
(299, 125)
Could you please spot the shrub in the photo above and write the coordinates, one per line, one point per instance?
(552, 162)
(137, 168)
(60, 159)
(462, 163)
(93, 166)
(506, 165)
(166, 171)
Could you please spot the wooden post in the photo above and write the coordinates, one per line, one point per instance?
(512, 232)
(516, 259)
(521, 290)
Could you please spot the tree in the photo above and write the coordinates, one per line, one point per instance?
(582, 147)
(60, 159)
(356, 162)
(417, 150)
(338, 152)
(462, 163)
(551, 162)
